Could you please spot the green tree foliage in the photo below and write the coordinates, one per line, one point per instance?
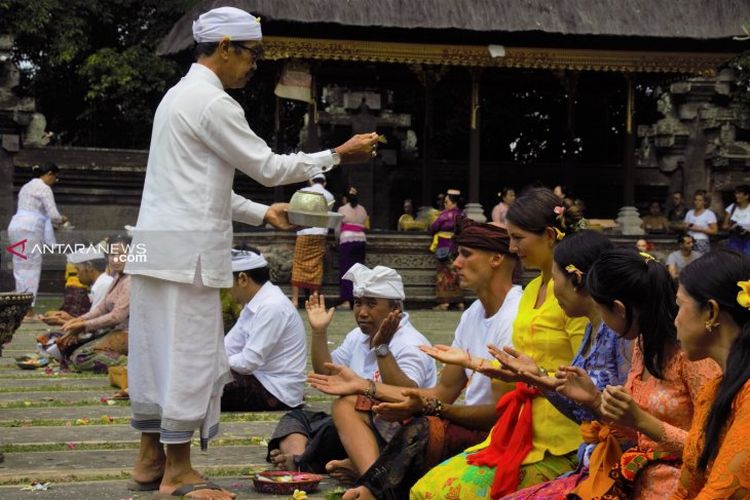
(91, 64)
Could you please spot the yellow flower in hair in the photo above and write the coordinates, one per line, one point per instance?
(647, 256)
(571, 269)
(559, 235)
(743, 296)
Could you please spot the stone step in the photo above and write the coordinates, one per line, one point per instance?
(54, 384)
(62, 414)
(98, 490)
(60, 396)
(102, 464)
(14, 373)
(103, 434)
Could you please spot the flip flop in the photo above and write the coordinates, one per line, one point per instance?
(188, 488)
(134, 485)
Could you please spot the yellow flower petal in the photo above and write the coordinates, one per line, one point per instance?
(743, 296)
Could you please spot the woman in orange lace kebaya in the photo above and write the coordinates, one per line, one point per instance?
(635, 295)
(714, 322)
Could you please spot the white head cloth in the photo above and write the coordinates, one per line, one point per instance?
(217, 24)
(85, 255)
(380, 282)
(245, 260)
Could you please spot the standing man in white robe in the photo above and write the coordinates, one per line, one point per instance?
(181, 248)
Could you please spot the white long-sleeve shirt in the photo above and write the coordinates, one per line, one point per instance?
(200, 136)
(269, 342)
(99, 289)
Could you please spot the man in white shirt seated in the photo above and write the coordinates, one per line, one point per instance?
(267, 347)
(382, 349)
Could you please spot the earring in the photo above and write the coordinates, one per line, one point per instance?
(710, 326)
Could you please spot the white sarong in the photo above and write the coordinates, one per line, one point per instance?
(177, 366)
(37, 230)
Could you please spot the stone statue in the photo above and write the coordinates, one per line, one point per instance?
(36, 135)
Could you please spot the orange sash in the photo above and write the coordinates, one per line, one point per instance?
(606, 455)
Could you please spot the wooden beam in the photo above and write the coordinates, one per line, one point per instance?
(701, 63)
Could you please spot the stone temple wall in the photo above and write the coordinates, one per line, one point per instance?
(703, 139)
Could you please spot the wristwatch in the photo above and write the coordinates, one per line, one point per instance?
(382, 350)
(336, 157)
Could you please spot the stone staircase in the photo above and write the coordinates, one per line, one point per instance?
(62, 429)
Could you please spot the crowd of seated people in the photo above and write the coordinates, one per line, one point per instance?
(97, 339)
(600, 379)
(609, 375)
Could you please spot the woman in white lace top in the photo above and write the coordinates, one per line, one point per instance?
(31, 227)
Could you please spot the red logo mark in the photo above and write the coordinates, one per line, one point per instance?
(12, 249)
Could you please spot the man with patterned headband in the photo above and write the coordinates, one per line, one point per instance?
(177, 365)
(267, 347)
(439, 428)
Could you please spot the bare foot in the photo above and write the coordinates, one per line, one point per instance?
(122, 395)
(282, 461)
(169, 485)
(148, 470)
(360, 492)
(342, 471)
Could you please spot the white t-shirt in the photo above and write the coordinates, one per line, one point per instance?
(269, 342)
(355, 352)
(330, 200)
(702, 221)
(99, 289)
(740, 216)
(474, 332)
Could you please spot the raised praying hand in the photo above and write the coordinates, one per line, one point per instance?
(447, 354)
(618, 406)
(73, 326)
(413, 403)
(524, 368)
(342, 381)
(387, 328)
(575, 384)
(317, 315)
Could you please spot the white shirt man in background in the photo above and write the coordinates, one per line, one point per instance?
(310, 247)
(267, 346)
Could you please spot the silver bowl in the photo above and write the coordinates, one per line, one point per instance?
(314, 219)
(310, 209)
(308, 202)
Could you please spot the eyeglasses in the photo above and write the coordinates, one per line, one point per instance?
(256, 52)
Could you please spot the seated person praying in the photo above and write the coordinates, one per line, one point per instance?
(383, 348)
(90, 271)
(99, 339)
(266, 347)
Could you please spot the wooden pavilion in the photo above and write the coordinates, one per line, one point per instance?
(496, 93)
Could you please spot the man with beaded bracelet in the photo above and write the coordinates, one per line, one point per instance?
(384, 348)
(439, 428)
